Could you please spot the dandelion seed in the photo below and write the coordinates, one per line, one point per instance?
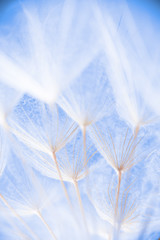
(45, 140)
(24, 195)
